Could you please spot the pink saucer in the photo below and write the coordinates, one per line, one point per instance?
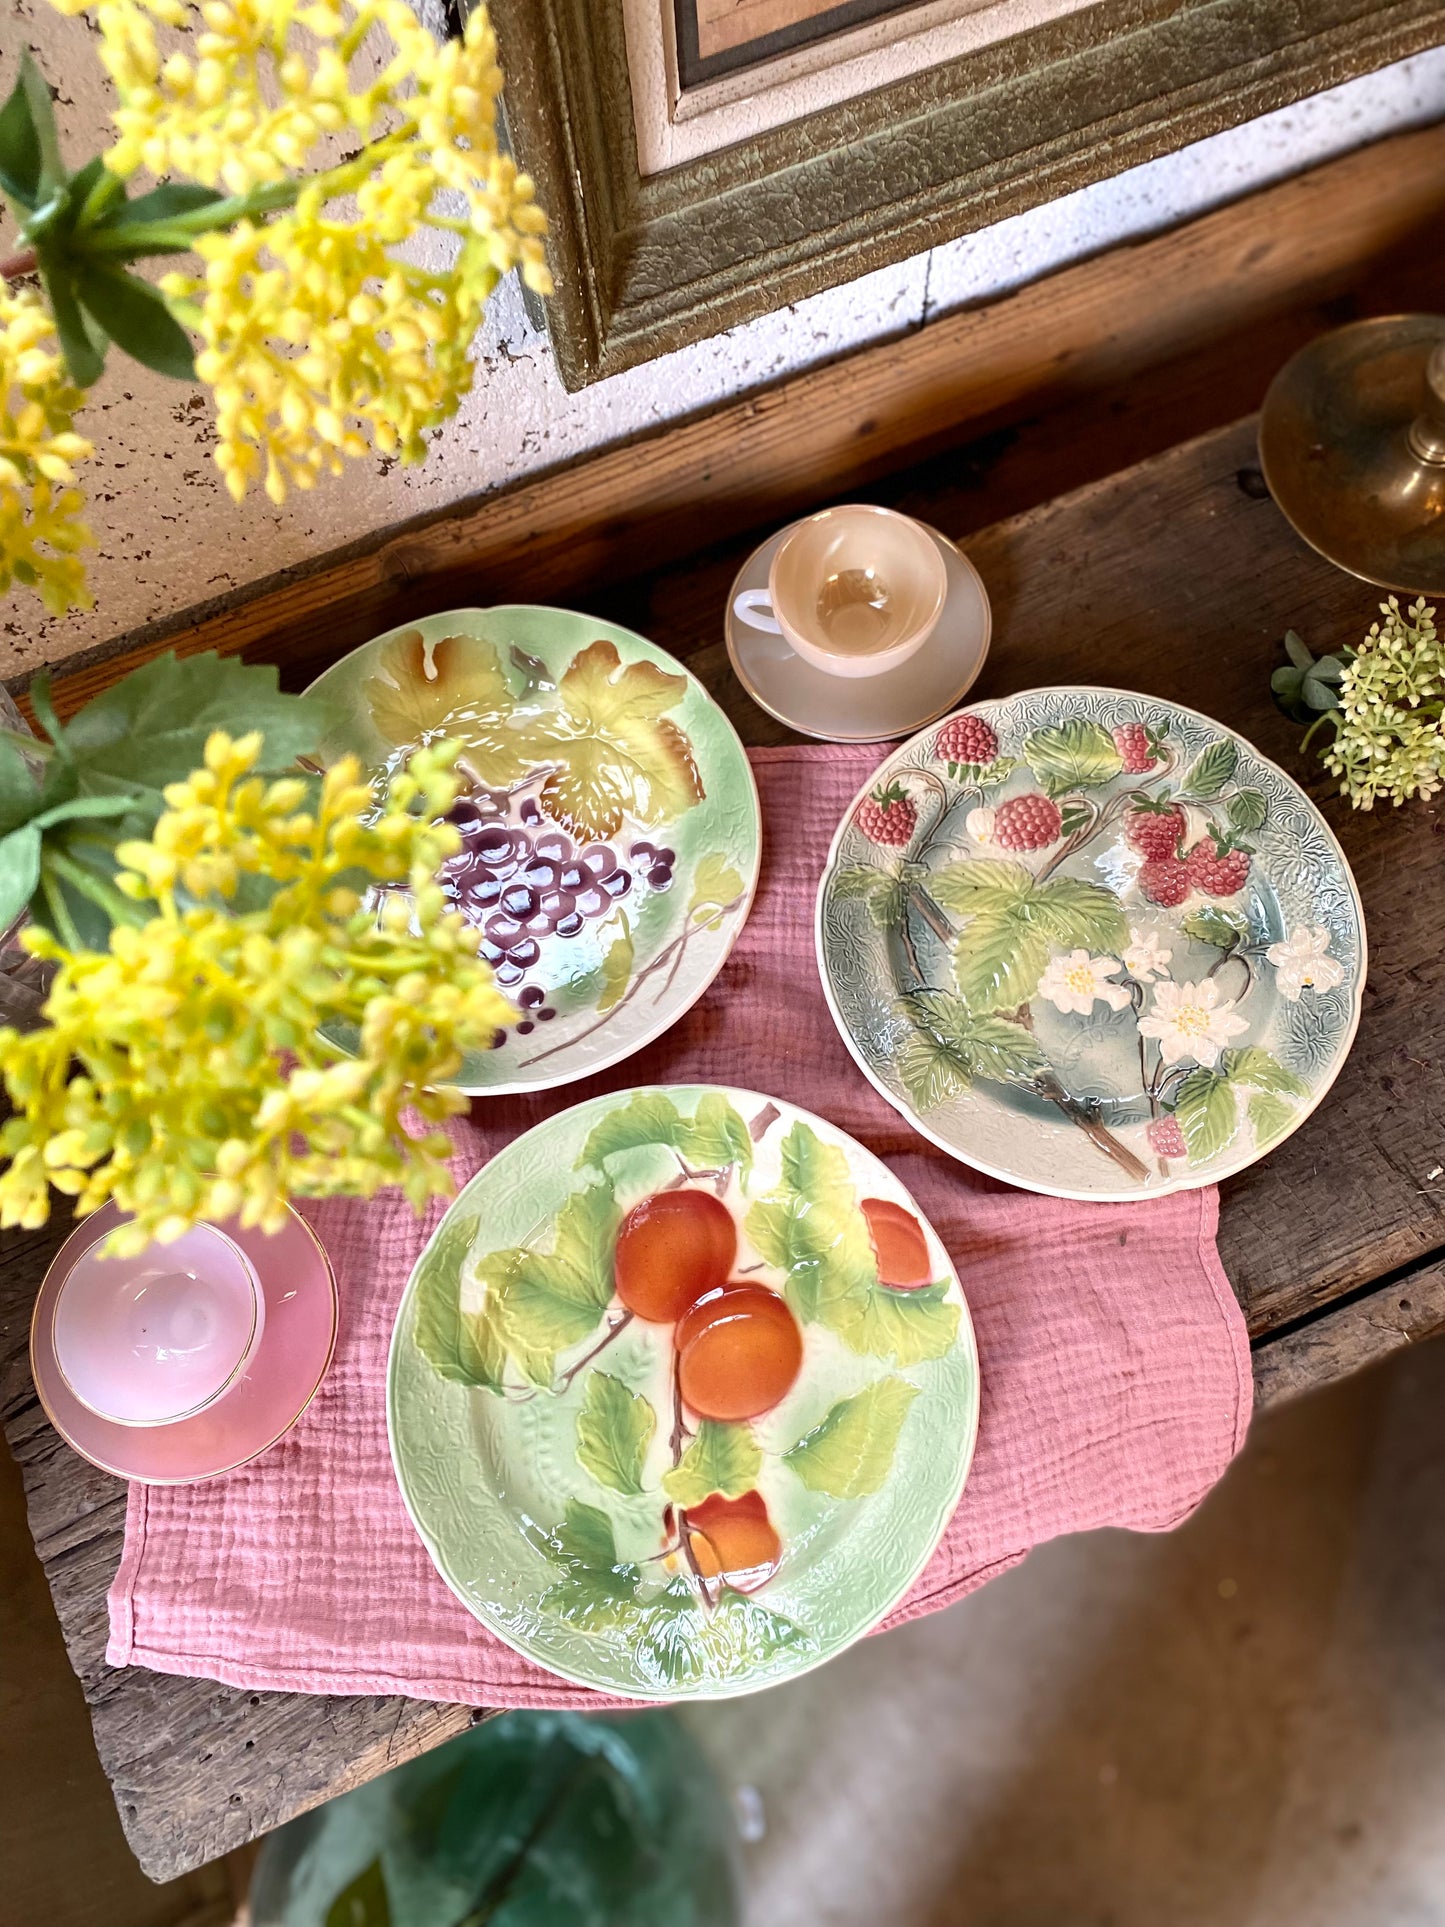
(279, 1381)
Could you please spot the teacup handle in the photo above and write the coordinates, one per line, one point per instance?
(748, 607)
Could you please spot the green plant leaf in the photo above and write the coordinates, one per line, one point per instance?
(83, 358)
(718, 1137)
(19, 148)
(1207, 1113)
(464, 1348)
(1247, 810)
(616, 969)
(1269, 1117)
(41, 103)
(1210, 770)
(1297, 650)
(1217, 927)
(885, 894)
(1320, 683)
(137, 319)
(548, 1301)
(722, 1458)
(614, 1430)
(363, 1902)
(850, 1454)
(20, 793)
(715, 885)
(1078, 755)
(19, 871)
(162, 203)
(1262, 1071)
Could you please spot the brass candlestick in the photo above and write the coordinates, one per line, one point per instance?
(1352, 444)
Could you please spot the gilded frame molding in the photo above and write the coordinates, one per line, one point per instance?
(648, 264)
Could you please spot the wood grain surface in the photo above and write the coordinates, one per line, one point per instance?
(1177, 576)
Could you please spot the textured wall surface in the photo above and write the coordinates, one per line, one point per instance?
(168, 535)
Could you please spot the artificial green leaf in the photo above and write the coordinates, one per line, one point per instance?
(1078, 755)
(1269, 1117)
(547, 1301)
(594, 1589)
(885, 894)
(850, 1454)
(614, 1430)
(1011, 923)
(1218, 927)
(716, 886)
(679, 1645)
(1262, 1070)
(84, 360)
(933, 1071)
(908, 1327)
(151, 728)
(19, 149)
(989, 1045)
(1208, 1114)
(19, 871)
(1079, 915)
(980, 883)
(722, 1458)
(464, 1348)
(91, 808)
(717, 1137)
(458, 689)
(811, 1226)
(1297, 650)
(1247, 810)
(1321, 682)
(137, 319)
(1210, 770)
(648, 1118)
(617, 963)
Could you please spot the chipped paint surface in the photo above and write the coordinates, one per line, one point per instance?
(168, 535)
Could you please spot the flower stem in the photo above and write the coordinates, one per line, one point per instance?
(15, 267)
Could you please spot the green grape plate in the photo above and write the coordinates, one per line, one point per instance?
(682, 1393)
(610, 825)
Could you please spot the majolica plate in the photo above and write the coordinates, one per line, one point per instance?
(1092, 943)
(682, 1392)
(610, 826)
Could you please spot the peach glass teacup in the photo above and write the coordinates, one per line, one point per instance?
(855, 591)
(150, 1339)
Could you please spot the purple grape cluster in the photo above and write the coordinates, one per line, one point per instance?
(525, 880)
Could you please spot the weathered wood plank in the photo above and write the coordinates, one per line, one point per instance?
(1360, 1333)
(1173, 335)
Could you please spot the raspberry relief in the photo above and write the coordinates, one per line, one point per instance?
(1091, 931)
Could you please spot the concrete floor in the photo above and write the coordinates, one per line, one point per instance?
(1241, 1724)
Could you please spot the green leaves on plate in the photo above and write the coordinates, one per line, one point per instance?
(1012, 922)
(616, 967)
(722, 1458)
(1077, 755)
(1210, 771)
(811, 1228)
(614, 1429)
(1225, 929)
(593, 1588)
(1207, 1106)
(460, 1346)
(885, 894)
(850, 1454)
(716, 886)
(712, 1139)
(951, 1045)
(548, 1301)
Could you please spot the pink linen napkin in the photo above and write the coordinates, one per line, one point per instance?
(1115, 1368)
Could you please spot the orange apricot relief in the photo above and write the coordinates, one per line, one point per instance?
(739, 1351)
(734, 1540)
(671, 1248)
(898, 1244)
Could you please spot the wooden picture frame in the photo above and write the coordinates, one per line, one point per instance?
(645, 263)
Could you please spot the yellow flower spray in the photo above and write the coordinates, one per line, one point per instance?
(186, 1071)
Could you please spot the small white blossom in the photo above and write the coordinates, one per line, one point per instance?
(979, 824)
(1304, 962)
(1077, 982)
(1191, 1023)
(1143, 959)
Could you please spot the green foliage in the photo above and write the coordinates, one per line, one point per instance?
(885, 894)
(460, 1346)
(812, 1229)
(614, 1429)
(548, 1301)
(722, 1458)
(1077, 755)
(952, 1044)
(850, 1453)
(105, 771)
(716, 886)
(711, 1139)
(594, 1589)
(1309, 687)
(1207, 1113)
(1262, 1071)
(616, 968)
(1013, 921)
(1208, 1110)
(1222, 928)
(1247, 811)
(1210, 771)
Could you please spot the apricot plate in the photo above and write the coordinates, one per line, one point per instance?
(542, 1429)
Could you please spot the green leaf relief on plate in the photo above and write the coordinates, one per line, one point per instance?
(614, 1429)
(716, 886)
(1247, 810)
(886, 895)
(1210, 770)
(1208, 1109)
(722, 1458)
(1222, 928)
(1208, 1114)
(714, 1137)
(850, 1454)
(1078, 754)
(616, 967)
(460, 1346)
(951, 1045)
(1262, 1070)
(1012, 922)
(548, 1301)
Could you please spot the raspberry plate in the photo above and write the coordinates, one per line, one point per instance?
(610, 828)
(1126, 934)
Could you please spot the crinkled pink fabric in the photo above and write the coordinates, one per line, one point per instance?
(1116, 1383)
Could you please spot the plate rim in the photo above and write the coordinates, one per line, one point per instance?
(1171, 1186)
(523, 1087)
(818, 736)
(717, 1689)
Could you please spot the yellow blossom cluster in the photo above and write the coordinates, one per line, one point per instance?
(318, 341)
(185, 1071)
(1389, 742)
(40, 507)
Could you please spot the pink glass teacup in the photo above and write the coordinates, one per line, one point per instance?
(150, 1339)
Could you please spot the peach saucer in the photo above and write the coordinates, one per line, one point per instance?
(279, 1382)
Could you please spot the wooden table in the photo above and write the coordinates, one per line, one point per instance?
(1176, 576)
